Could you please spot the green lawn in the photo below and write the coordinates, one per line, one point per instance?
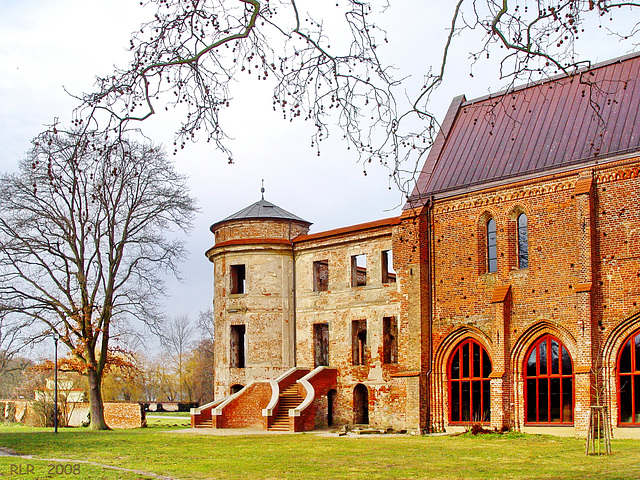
(175, 454)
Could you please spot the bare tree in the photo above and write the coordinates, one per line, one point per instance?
(205, 324)
(14, 336)
(177, 341)
(84, 233)
(200, 368)
(326, 64)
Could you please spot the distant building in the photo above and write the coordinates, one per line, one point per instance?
(505, 294)
(67, 390)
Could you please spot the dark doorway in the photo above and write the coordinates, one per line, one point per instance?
(361, 405)
(236, 388)
(321, 344)
(331, 405)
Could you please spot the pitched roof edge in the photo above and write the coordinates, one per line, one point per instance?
(436, 149)
(535, 174)
(387, 222)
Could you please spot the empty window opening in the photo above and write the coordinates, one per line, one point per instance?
(238, 278)
(359, 341)
(236, 388)
(361, 405)
(390, 340)
(629, 381)
(358, 270)
(321, 276)
(548, 389)
(492, 246)
(388, 273)
(523, 242)
(469, 383)
(321, 344)
(237, 359)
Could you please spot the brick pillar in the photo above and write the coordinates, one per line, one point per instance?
(583, 365)
(410, 251)
(500, 376)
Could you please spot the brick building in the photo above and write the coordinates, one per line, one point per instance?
(506, 293)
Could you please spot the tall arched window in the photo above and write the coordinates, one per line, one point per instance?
(629, 381)
(492, 246)
(523, 242)
(469, 385)
(549, 382)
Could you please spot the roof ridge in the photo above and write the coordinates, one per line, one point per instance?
(553, 78)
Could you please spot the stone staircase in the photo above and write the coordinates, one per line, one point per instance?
(205, 424)
(288, 398)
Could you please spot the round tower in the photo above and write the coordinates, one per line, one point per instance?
(254, 314)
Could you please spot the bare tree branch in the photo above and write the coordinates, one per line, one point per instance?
(83, 236)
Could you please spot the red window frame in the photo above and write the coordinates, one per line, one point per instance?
(469, 387)
(628, 382)
(548, 391)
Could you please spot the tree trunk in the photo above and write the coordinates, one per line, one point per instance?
(96, 407)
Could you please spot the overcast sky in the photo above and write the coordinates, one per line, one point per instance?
(46, 45)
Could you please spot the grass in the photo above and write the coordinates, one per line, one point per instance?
(194, 456)
(170, 414)
(168, 419)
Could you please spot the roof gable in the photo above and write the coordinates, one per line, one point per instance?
(564, 121)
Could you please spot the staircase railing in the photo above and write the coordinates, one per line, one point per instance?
(202, 414)
(279, 384)
(243, 408)
(316, 383)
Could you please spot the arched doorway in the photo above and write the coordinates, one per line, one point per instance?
(629, 381)
(548, 382)
(469, 383)
(361, 405)
(331, 406)
(236, 388)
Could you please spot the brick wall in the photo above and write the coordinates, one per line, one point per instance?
(246, 410)
(339, 307)
(582, 282)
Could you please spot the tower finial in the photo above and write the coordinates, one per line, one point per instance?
(262, 189)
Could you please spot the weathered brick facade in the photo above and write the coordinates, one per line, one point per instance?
(527, 256)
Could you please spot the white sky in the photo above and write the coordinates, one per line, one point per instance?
(46, 45)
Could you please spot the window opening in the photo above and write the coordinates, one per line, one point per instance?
(629, 381)
(469, 384)
(360, 405)
(388, 273)
(321, 344)
(390, 340)
(359, 341)
(321, 276)
(549, 383)
(523, 242)
(237, 359)
(358, 270)
(238, 278)
(492, 246)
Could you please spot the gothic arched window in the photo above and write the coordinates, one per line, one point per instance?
(469, 384)
(548, 384)
(629, 381)
(523, 241)
(492, 246)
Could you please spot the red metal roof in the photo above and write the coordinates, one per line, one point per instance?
(563, 121)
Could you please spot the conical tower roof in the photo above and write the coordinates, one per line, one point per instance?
(261, 210)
